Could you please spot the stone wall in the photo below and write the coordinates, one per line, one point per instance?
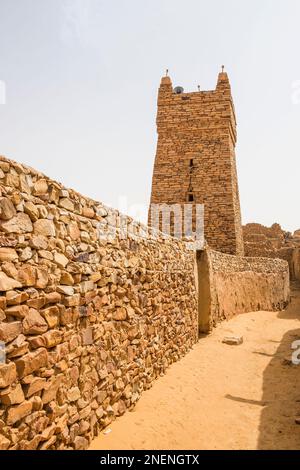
(87, 323)
(195, 160)
(236, 285)
(264, 241)
(273, 242)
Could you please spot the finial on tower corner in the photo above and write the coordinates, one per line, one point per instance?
(166, 81)
(199, 87)
(223, 67)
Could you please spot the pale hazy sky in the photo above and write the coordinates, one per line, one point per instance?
(81, 85)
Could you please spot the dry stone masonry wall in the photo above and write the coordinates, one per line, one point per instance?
(274, 242)
(239, 285)
(87, 323)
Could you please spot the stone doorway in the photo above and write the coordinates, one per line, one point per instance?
(204, 293)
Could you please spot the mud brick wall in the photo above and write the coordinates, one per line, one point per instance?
(195, 159)
(233, 285)
(87, 323)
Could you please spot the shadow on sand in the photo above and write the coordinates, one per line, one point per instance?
(281, 389)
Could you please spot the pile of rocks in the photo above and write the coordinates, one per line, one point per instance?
(88, 322)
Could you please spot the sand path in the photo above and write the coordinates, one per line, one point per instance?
(220, 396)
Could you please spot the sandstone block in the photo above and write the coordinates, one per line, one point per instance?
(80, 443)
(32, 444)
(74, 231)
(31, 210)
(42, 278)
(233, 340)
(87, 337)
(51, 316)
(66, 279)
(38, 242)
(7, 209)
(61, 260)
(8, 254)
(44, 227)
(4, 443)
(27, 275)
(24, 184)
(120, 314)
(51, 390)
(8, 374)
(17, 311)
(66, 290)
(88, 212)
(73, 394)
(86, 286)
(67, 204)
(13, 396)
(48, 444)
(3, 302)
(37, 303)
(16, 298)
(26, 254)
(48, 432)
(10, 331)
(53, 298)
(31, 362)
(17, 348)
(16, 413)
(40, 187)
(34, 323)
(95, 277)
(7, 283)
(19, 224)
(72, 301)
(37, 384)
(45, 254)
(52, 338)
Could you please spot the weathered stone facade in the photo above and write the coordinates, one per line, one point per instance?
(231, 285)
(88, 323)
(195, 160)
(274, 242)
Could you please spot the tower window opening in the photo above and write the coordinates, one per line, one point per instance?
(191, 197)
(191, 163)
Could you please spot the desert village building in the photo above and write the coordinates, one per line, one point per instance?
(88, 322)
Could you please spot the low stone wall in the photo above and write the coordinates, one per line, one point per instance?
(87, 323)
(235, 285)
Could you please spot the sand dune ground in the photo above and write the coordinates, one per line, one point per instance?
(223, 397)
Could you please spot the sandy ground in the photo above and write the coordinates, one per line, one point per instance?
(220, 396)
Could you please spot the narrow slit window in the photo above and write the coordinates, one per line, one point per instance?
(191, 197)
(191, 163)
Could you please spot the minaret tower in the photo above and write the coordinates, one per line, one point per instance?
(195, 160)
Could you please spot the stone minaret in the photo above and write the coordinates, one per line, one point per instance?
(195, 160)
